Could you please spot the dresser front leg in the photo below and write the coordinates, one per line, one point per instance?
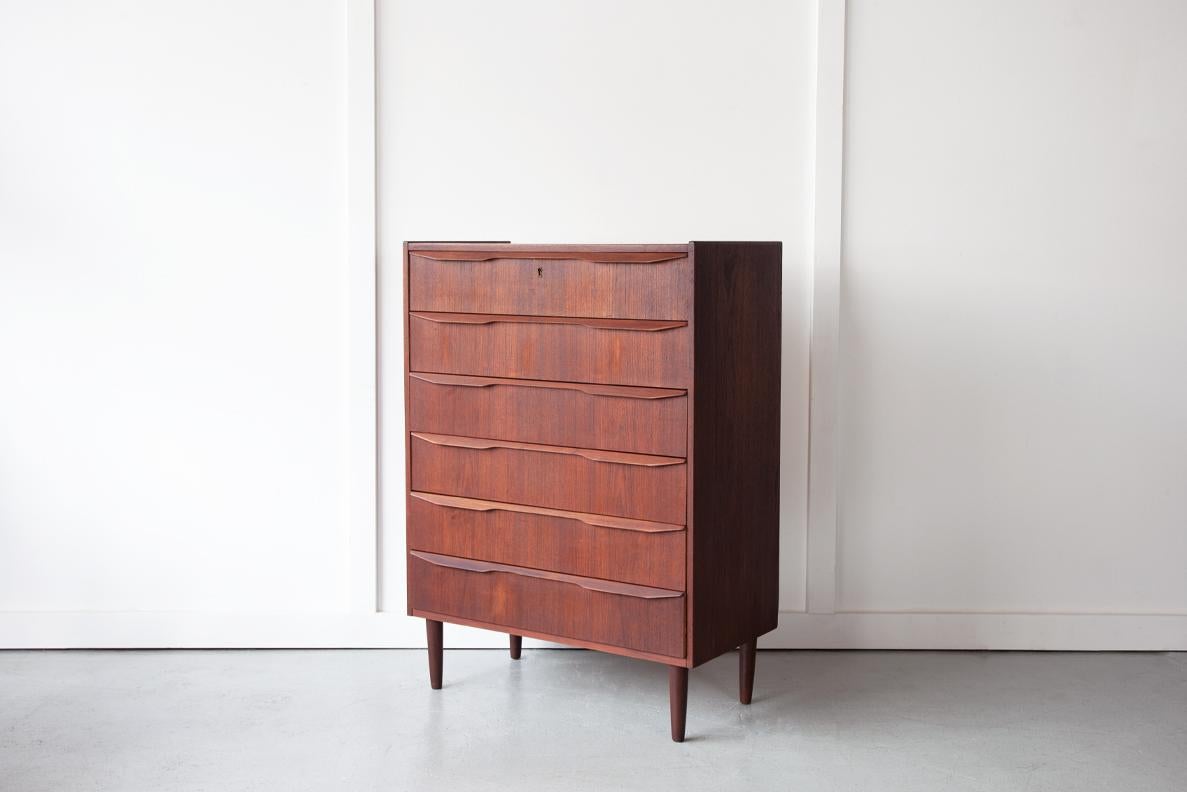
(436, 654)
(746, 654)
(678, 699)
(516, 646)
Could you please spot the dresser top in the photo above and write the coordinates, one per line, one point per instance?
(508, 247)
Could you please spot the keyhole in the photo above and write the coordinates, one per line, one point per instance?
(539, 272)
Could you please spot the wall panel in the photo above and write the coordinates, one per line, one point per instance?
(1012, 423)
(174, 432)
(536, 121)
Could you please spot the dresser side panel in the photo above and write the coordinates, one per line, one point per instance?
(734, 532)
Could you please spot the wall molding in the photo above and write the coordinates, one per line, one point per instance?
(824, 362)
(362, 375)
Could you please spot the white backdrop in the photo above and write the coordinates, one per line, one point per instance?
(1013, 334)
(181, 396)
(188, 301)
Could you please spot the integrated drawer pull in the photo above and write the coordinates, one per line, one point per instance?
(598, 520)
(641, 325)
(620, 391)
(590, 584)
(553, 255)
(592, 454)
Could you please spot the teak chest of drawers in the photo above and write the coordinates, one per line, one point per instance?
(593, 447)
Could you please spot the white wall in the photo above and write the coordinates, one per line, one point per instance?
(173, 316)
(1013, 382)
(187, 295)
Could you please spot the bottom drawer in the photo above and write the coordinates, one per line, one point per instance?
(618, 614)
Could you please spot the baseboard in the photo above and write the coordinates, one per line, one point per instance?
(1017, 631)
(1013, 631)
(160, 630)
(163, 630)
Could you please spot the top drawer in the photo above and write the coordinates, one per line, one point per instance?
(592, 282)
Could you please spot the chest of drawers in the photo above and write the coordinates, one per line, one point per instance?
(593, 447)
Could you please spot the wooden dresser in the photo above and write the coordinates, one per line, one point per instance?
(593, 447)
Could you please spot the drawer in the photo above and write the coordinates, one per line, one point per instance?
(613, 548)
(615, 351)
(626, 285)
(637, 486)
(582, 415)
(619, 614)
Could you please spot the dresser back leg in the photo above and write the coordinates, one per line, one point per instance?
(746, 670)
(516, 646)
(678, 699)
(436, 654)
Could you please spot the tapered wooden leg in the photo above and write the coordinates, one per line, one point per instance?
(678, 699)
(433, 629)
(516, 646)
(746, 670)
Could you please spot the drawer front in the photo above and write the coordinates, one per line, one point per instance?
(619, 614)
(644, 420)
(615, 284)
(635, 486)
(631, 551)
(613, 351)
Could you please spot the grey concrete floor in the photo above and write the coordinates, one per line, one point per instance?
(561, 720)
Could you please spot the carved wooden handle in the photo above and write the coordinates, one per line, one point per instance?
(597, 520)
(591, 584)
(621, 391)
(592, 454)
(642, 325)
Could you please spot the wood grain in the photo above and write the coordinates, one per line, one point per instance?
(734, 533)
(590, 389)
(554, 480)
(575, 257)
(562, 414)
(636, 353)
(504, 248)
(638, 325)
(597, 520)
(407, 409)
(622, 651)
(552, 283)
(549, 606)
(434, 636)
(591, 584)
(632, 551)
(678, 700)
(593, 446)
(746, 653)
(592, 454)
